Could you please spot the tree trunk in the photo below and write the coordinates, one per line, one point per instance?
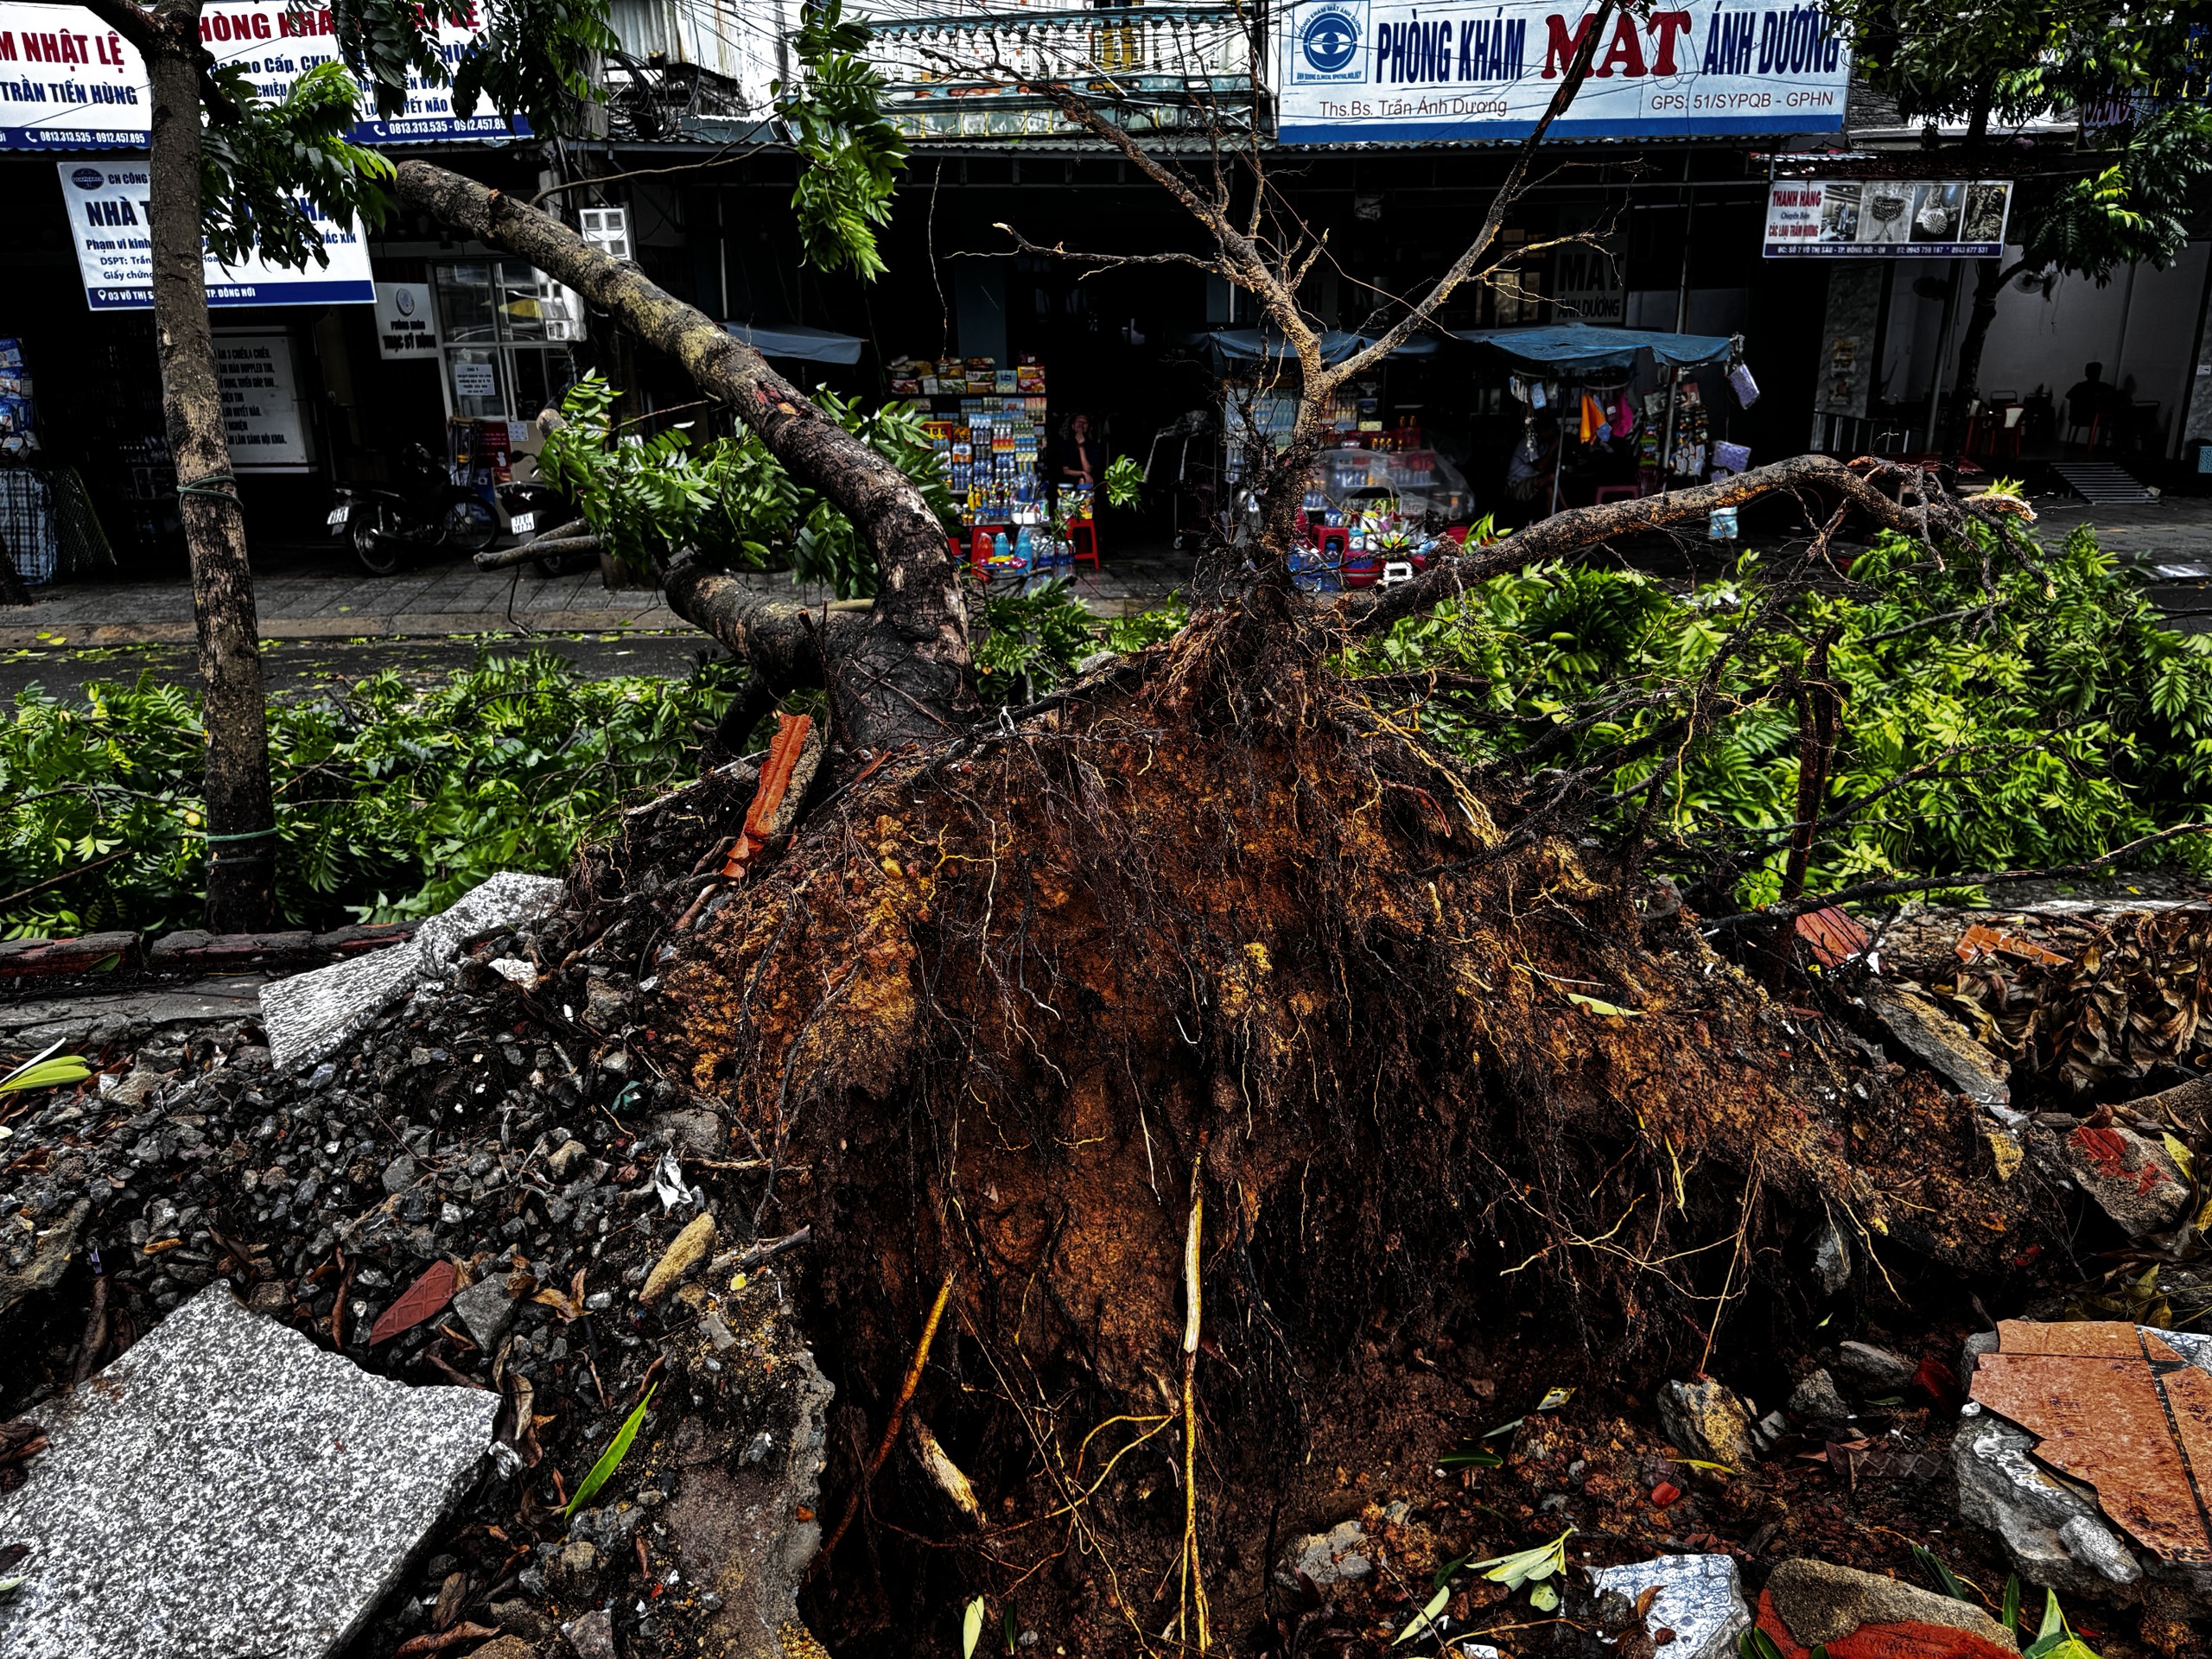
(241, 834)
(1990, 279)
(907, 675)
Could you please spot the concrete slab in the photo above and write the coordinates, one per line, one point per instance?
(228, 1488)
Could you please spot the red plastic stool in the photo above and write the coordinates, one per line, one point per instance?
(1083, 542)
(1326, 536)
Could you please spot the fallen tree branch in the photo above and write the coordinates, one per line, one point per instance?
(1578, 528)
(912, 663)
(549, 547)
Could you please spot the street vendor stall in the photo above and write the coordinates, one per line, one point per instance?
(1579, 385)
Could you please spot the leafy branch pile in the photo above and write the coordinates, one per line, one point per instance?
(391, 800)
(2045, 718)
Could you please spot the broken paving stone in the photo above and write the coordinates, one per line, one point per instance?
(1700, 1599)
(2132, 1180)
(1705, 1420)
(2053, 1535)
(308, 1015)
(1941, 1043)
(486, 1307)
(220, 1431)
(2126, 1410)
(695, 1132)
(686, 1251)
(1874, 1370)
(1807, 1605)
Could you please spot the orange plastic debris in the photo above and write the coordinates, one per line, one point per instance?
(1983, 940)
(1832, 937)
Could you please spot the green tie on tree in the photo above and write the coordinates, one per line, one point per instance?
(235, 174)
(2130, 75)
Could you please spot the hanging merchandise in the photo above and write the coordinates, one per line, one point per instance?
(1730, 457)
(1536, 397)
(1745, 388)
(1721, 527)
(1693, 433)
(1593, 421)
(1518, 387)
(1623, 416)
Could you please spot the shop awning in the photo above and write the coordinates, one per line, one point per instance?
(795, 339)
(1255, 345)
(1567, 347)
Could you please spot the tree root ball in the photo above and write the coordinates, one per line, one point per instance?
(1450, 1102)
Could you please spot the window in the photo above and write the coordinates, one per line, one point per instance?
(607, 228)
(505, 326)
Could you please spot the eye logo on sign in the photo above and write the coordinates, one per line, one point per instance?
(88, 178)
(1328, 42)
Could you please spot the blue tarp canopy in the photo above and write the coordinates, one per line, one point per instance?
(795, 339)
(1570, 347)
(1254, 345)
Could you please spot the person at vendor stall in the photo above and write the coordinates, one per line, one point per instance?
(1528, 475)
(1083, 458)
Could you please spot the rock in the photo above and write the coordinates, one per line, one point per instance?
(1705, 1420)
(135, 1091)
(504, 1646)
(523, 1620)
(689, 1249)
(309, 1016)
(592, 1637)
(486, 1307)
(50, 1253)
(1831, 1260)
(694, 1131)
(562, 1160)
(606, 1006)
(399, 1173)
(1928, 1033)
(2132, 1180)
(1817, 1399)
(1873, 1370)
(2054, 1535)
(576, 1569)
(1327, 1558)
(1700, 1599)
(227, 1487)
(1814, 1603)
(515, 971)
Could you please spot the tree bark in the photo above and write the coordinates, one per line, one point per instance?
(1991, 275)
(1572, 531)
(906, 675)
(241, 832)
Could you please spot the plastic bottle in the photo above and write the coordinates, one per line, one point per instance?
(998, 547)
(1024, 555)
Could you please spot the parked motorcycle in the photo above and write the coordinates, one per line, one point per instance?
(428, 510)
(533, 509)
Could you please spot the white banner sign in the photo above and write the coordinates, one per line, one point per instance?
(262, 421)
(1399, 70)
(69, 82)
(1887, 219)
(106, 204)
(407, 322)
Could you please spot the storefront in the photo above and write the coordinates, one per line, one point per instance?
(315, 370)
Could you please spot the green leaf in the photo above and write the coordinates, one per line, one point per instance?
(46, 1073)
(1474, 1457)
(1596, 1006)
(1756, 1643)
(2009, 1614)
(1938, 1575)
(611, 1459)
(1425, 1619)
(1543, 1597)
(971, 1628)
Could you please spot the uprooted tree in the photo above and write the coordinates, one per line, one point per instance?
(1170, 1053)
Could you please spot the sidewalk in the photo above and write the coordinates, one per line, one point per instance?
(318, 593)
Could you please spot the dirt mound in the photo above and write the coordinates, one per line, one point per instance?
(1443, 1090)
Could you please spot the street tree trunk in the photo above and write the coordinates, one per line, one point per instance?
(1990, 277)
(907, 676)
(240, 827)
